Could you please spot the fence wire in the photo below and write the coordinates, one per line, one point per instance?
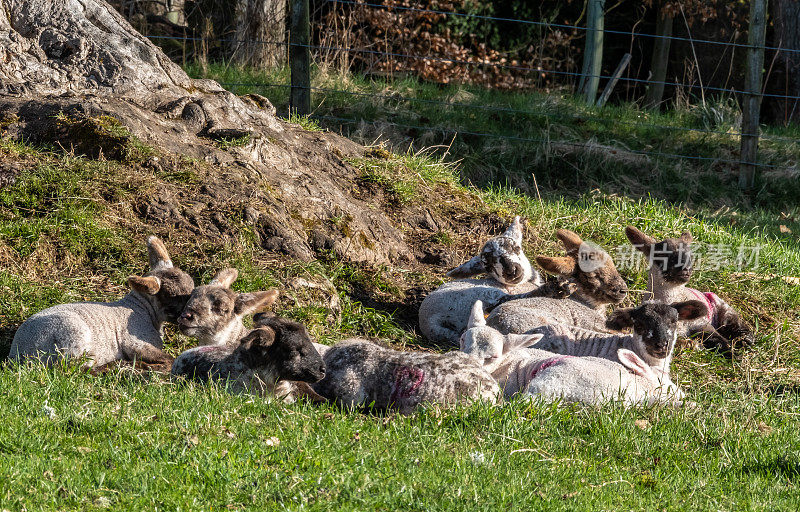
(539, 71)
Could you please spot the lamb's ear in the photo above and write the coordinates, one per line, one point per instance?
(147, 285)
(620, 319)
(690, 309)
(639, 240)
(157, 254)
(514, 231)
(572, 242)
(225, 277)
(254, 345)
(561, 265)
(635, 364)
(247, 303)
(261, 336)
(476, 318)
(514, 341)
(471, 268)
(686, 237)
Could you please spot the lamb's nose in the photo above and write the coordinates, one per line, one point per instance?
(186, 316)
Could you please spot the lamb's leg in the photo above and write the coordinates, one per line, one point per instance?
(555, 288)
(303, 389)
(442, 331)
(146, 353)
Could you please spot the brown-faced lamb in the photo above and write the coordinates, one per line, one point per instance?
(362, 374)
(214, 312)
(591, 380)
(597, 283)
(671, 267)
(128, 329)
(443, 313)
(275, 359)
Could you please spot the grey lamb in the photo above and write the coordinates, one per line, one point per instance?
(272, 360)
(214, 312)
(443, 313)
(597, 283)
(671, 267)
(362, 374)
(102, 332)
(591, 380)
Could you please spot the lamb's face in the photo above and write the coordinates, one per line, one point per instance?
(174, 292)
(503, 259)
(209, 311)
(671, 259)
(604, 284)
(483, 343)
(656, 328)
(291, 353)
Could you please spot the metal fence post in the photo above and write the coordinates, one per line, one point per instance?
(300, 58)
(751, 104)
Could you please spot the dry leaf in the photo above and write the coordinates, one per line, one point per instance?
(193, 440)
(642, 424)
(273, 441)
(785, 229)
(764, 428)
(227, 432)
(83, 449)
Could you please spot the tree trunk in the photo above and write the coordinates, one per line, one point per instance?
(67, 66)
(786, 71)
(260, 32)
(660, 60)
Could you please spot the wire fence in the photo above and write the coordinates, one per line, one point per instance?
(592, 116)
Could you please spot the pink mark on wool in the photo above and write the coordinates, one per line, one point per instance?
(711, 300)
(208, 348)
(547, 363)
(407, 381)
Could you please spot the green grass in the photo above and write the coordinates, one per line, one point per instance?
(131, 443)
(125, 441)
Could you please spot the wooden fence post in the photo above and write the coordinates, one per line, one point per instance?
(626, 59)
(593, 51)
(660, 60)
(751, 104)
(300, 58)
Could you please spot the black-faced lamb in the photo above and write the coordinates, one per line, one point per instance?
(671, 267)
(272, 360)
(591, 380)
(443, 313)
(597, 284)
(362, 374)
(214, 312)
(102, 332)
(654, 325)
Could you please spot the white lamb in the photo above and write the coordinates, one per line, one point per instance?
(443, 313)
(591, 380)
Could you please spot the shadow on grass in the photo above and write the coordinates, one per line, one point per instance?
(784, 467)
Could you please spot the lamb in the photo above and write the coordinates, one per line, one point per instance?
(102, 332)
(214, 312)
(671, 267)
(597, 283)
(443, 313)
(653, 338)
(362, 374)
(276, 359)
(590, 380)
